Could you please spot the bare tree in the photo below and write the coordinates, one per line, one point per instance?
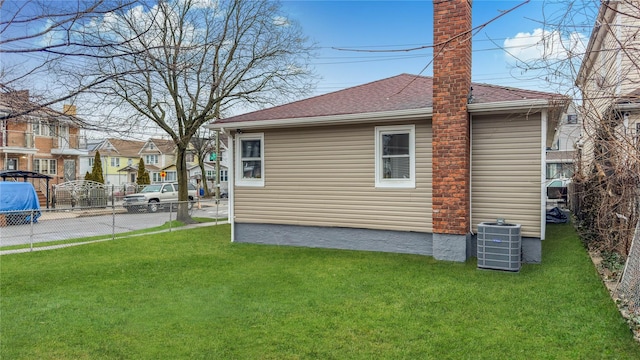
(42, 40)
(191, 58)
(595, 45)
(203, 143)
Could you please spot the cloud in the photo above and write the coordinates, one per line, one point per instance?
(542, 45)
(200, 3)
(281, 21)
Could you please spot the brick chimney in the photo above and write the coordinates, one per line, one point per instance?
(69, 109)
(451, 129)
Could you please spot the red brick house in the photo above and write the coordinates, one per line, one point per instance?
(406, 164)
(44, 140)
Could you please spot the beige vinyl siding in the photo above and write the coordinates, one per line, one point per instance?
(506, 171)
(324, 176)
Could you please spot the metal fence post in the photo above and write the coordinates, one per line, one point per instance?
(31, 231)
(170, 216)
(113, 222)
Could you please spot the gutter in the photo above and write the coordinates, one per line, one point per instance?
(373, 117)
(628, 106)
(509, 106)
(411, 114)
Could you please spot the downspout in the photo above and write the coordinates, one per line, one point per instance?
(543, 177)
(231, 184)
(618, 58)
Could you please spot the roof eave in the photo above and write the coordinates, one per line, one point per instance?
(343, 119)
(603, 19)
(527, 105)
(509, 106)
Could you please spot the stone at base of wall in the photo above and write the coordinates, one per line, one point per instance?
(335, 238)
(450, 247)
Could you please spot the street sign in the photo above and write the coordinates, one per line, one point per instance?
(213, 156)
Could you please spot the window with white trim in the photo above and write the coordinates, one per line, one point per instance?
(250, 160)
(171, 176)
(41, 128)
(45, 166)
(115, 161)
(151, 159)
(395, 163)
(224, 175)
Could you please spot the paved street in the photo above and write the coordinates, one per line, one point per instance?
(62, 224)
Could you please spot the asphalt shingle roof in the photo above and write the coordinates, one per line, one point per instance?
(401, 92)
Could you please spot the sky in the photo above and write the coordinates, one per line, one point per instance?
(361, 41)
(399, 25)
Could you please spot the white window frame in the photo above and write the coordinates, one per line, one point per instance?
(240, 181)
(380, 181)
(154, 157)
(41, 128)
(115, 162)
(171, 176)
(51, 166)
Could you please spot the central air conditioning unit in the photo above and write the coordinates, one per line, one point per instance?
(499, 246)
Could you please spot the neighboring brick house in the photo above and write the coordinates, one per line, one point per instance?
(119, 160)
(44, 140)
(406, 164)
(609, 79)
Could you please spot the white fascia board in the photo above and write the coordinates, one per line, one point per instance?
(628, 107)
(411, 114)
(508, 106)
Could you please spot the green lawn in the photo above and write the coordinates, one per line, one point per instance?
(194, 295)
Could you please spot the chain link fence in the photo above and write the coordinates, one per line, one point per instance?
(69, 224)
(629, 286)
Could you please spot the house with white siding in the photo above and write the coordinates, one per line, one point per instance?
(408, 164)
(609, 80)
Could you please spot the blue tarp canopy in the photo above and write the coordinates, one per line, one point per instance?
(16, 196)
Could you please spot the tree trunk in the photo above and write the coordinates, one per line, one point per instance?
(204, 178)
(183, 189)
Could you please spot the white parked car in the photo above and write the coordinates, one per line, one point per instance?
(557, 191)
(157, 196)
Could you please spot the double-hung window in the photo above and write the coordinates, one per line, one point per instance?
(171, 176)
(395, 162)
(45, 166)
(151, 159)
(250, 160)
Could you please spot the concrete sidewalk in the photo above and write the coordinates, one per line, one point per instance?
(53, 247)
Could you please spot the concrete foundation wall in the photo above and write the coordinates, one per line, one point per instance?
(441, 246)
(335, 238)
